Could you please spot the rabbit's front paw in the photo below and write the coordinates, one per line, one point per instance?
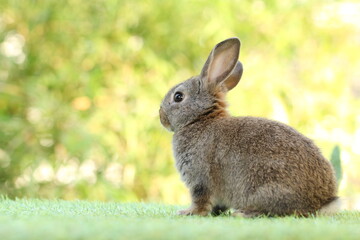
(191, 211)
(185, 212)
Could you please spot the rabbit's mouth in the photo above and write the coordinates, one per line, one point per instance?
(164, 120)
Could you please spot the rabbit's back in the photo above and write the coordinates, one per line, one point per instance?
(257, 156)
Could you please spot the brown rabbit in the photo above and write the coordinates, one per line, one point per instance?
(253, 165)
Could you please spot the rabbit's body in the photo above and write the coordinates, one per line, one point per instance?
(253, 165)
(260, 167)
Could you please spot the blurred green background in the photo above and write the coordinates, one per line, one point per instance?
(81, 83)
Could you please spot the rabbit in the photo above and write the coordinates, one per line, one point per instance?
(251, 165)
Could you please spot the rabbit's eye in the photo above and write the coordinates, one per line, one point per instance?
(178, 96)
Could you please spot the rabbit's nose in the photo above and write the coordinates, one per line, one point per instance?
(164, 119)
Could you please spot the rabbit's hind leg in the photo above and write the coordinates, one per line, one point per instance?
(274, 199)
(246, 214)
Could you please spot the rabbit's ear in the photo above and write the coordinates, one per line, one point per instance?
(221, 62)
(234, 78)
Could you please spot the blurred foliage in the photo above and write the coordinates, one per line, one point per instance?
(81, 83)
(336, 162)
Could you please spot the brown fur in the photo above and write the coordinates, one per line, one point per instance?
(254, 165)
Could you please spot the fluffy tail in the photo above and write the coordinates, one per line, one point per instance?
(332, 208)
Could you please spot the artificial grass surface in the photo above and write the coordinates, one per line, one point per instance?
(46, 219)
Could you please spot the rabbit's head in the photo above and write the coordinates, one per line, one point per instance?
(203, 95)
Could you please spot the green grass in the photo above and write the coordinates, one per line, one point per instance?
(46, 219)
